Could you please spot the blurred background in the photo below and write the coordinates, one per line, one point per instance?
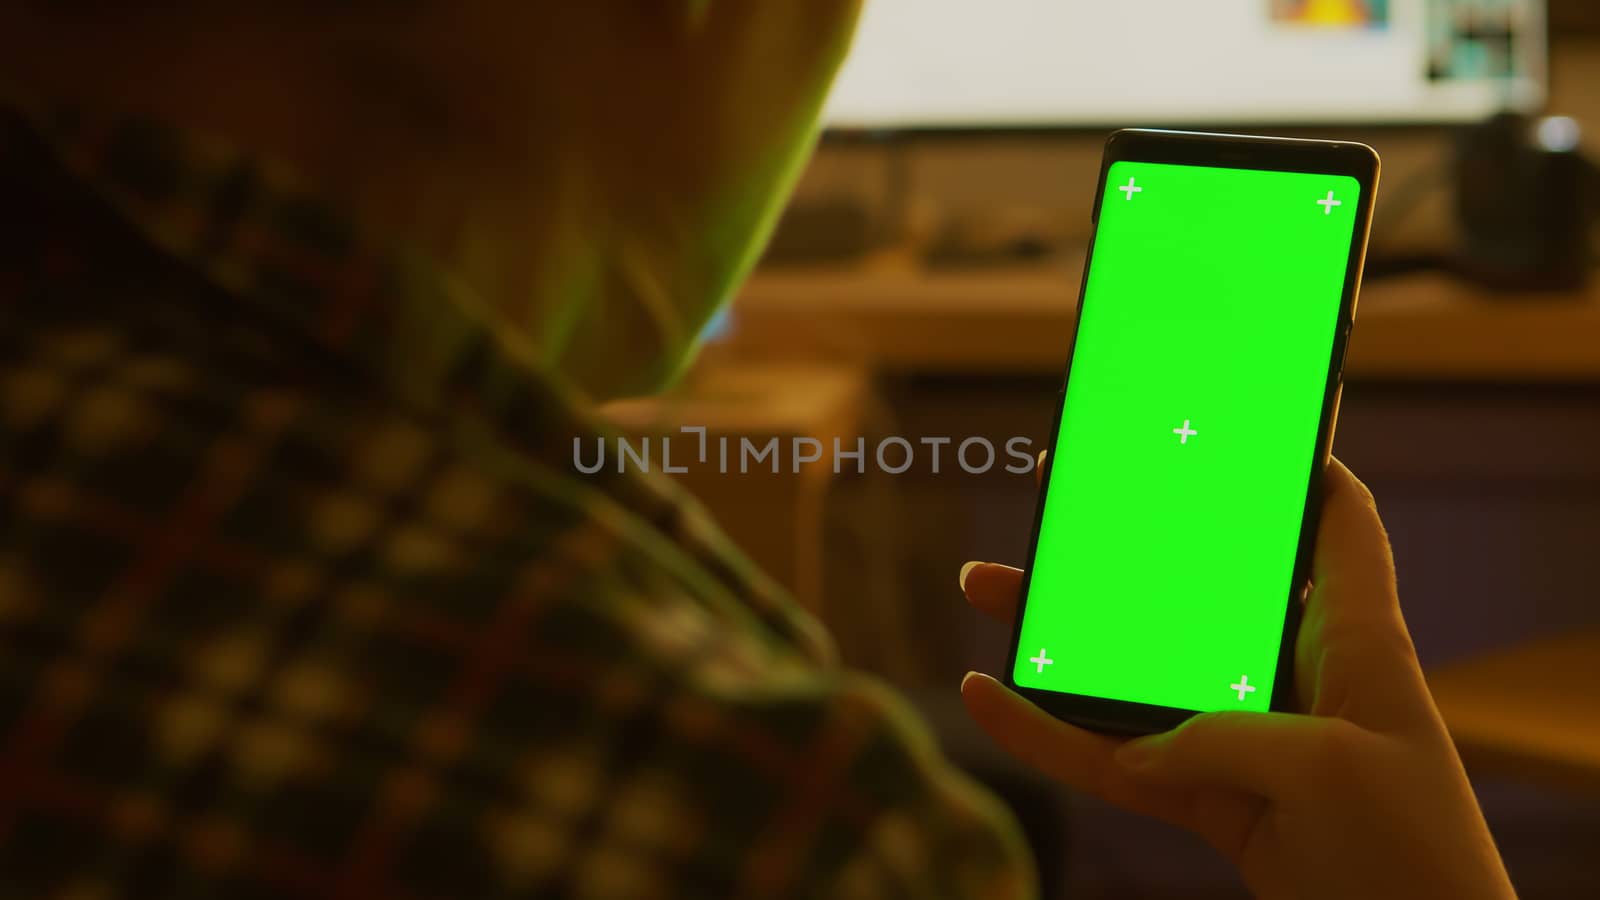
(924, 281)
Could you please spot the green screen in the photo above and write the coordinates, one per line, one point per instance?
(1178, 484)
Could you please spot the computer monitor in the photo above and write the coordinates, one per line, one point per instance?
(959, 64)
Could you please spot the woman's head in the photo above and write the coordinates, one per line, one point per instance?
(603, 172)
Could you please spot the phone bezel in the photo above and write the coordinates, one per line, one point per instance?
(1356, 160)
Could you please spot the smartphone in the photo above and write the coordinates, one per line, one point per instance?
(1178, 507)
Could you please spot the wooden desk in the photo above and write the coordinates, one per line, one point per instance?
(1528, 712)
(892, 316)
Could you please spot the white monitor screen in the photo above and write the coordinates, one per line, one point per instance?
(1021, 63)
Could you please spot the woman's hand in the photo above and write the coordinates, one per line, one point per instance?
(1363, 795)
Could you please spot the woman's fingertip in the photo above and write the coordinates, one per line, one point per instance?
(965, 571)
(973, 678)
(976, 684)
